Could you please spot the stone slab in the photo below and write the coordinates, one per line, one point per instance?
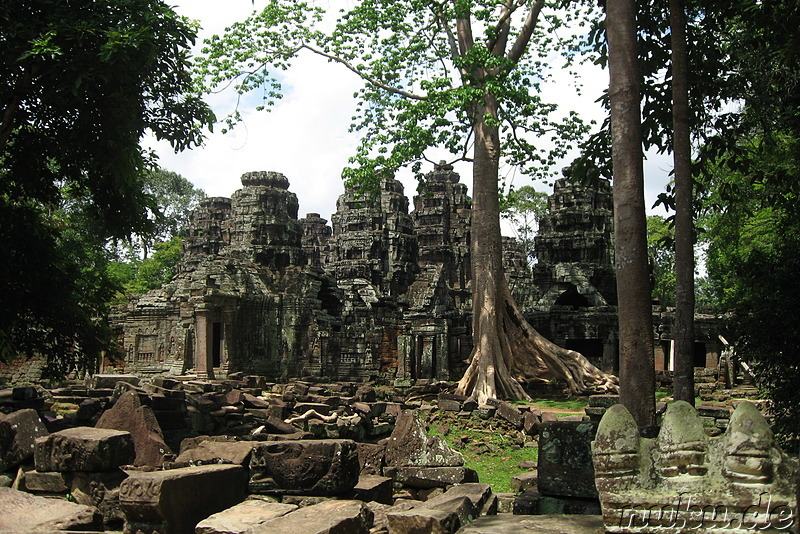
(18, 433)
(175, 500)
(84, 448)
(304, 467)
(539, 524)
(432, 477)
(130, 415)
(242, 517)
(565, 459)
(329, 517)
(25, 513)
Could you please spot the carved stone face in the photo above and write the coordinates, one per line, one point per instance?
(682, 444)
(750, 448)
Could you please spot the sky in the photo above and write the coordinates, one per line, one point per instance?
(305, 136)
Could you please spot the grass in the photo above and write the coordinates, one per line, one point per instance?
(487, 448)
(576, 405)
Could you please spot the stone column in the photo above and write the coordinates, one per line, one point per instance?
(443, 354)
(204, 353)
(228, 316)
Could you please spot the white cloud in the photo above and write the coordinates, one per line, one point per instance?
(306, 136)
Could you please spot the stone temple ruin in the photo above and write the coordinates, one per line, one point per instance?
(382, 294)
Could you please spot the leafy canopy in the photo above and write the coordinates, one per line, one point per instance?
(82, 83)
(422, 86)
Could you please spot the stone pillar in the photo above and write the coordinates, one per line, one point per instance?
(204, 354)
(228, 316)
(611, 355)
(443, 355)
(404, 354)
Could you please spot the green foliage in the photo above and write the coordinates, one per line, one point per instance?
(83, 81)
(158, 269)
(752, 225)
(661, 253)
(524, 208)
(421, 88)
(173, 197)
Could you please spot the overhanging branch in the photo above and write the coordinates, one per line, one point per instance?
(369, 79)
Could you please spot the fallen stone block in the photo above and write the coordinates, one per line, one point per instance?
(47, 482)
(242, 517)
(25, 513)
(329, 517)
(211, 451)
(409, 445)
(480, 495)
(525, 481)
(565, 459)
(18, 433)
(373, 488)
(130, 415)
(110, 381)
(432, 477)
(540, 524)
(84, 448)
(304, 467)
(419, 519)
(175, 500)
(509, 412)
(100, 490)
(371, 458)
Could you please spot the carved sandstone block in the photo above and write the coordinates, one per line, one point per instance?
(175, 500)
(683, 480)
(84, 449)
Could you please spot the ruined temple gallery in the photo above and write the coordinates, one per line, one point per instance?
(383, 293)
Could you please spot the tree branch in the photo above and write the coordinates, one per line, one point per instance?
(369, 79)
(464, 31)
(497, 44)
(525, 33)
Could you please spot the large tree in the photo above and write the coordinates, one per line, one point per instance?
(462, 75)
(637, 371)
(684, 212)
(82, 83)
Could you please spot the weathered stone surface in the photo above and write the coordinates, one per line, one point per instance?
(371, 458)
(130, 415)
(242, 517)
(525, 481)
(373, 488)
(309, 467)
(428, 520)
(208, 451)
(84, 449)
(100, 490)
(565, 459)
(738, 482)
(509, 412)
(329, 517)
(480, 495)
(100, 381)
(549, 505)
(48, 482)
(21, 513)
(432, 477)
(410, 445)
(541, 524)
(18, 433)
(175, 500)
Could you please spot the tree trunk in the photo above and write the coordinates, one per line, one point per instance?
(684, 231)
(637, 371)
(507, 350)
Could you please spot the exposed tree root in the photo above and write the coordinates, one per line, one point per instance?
(510, 351)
